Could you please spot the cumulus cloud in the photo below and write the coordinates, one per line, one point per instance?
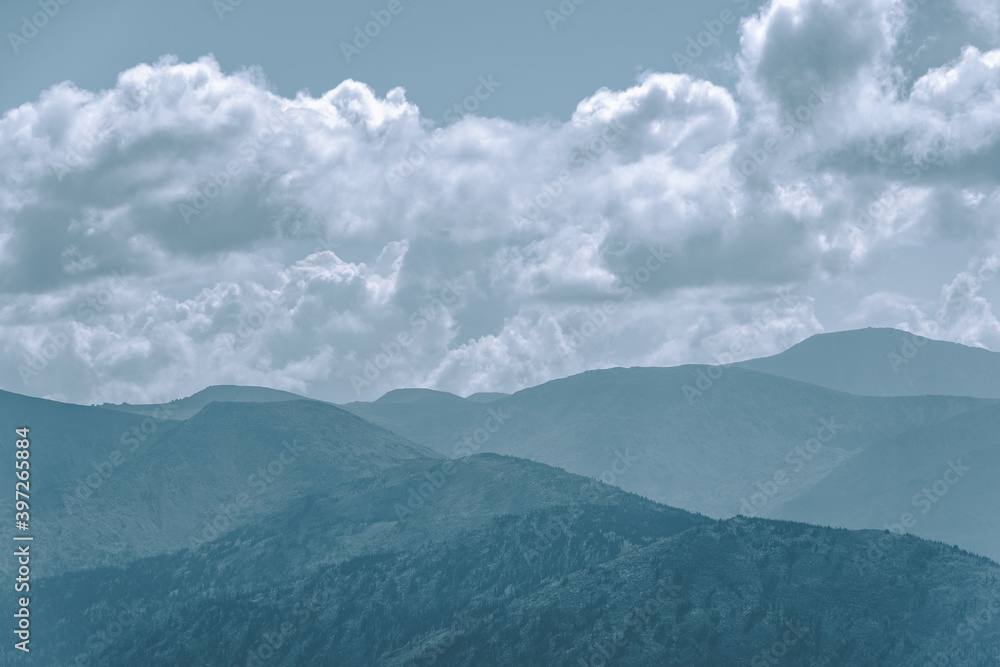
(190, 227)
(961, 313)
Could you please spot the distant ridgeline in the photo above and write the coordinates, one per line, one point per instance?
(587, 521)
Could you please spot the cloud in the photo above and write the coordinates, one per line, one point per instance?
(960, 314)
(291, 241)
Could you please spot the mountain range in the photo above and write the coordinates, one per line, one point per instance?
(886, 362)
(696, 515)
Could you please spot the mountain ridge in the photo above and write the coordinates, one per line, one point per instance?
(886, 362)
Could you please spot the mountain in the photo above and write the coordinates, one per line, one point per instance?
(937, 482)
(68, 438)
(298, 533)
(486, 396)
(69, 444)
(150, 487)
(627, 580)
(886, 362)
(421, 415)
(402, 508)
(408, 508)
(675, 435)
(183, 408)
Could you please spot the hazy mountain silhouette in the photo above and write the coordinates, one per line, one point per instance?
(886, 362)
(217, 523)
(135, 494)
(69, 442)
(184, 408)
(486, 396)
(941, 480)
(403, 508)
(421, 415)
(654, 432)
(714, 440)
(549, 587)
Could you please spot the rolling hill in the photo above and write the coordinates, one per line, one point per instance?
(134, 487)
(886, 362)
(937, 482)
(628, 580)
(184, 408)
(652, 431)
(421, 415)
(294, 532)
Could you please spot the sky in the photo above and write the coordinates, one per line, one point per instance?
(340, 199)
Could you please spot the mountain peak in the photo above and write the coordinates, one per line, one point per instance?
(184, 408)
(231, 393)
(414, 395)
(886, 362)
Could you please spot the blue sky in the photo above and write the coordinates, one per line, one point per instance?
(486, 196)
(436, 50)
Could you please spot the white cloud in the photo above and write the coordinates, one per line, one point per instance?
(960, 314)
(324, 228)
